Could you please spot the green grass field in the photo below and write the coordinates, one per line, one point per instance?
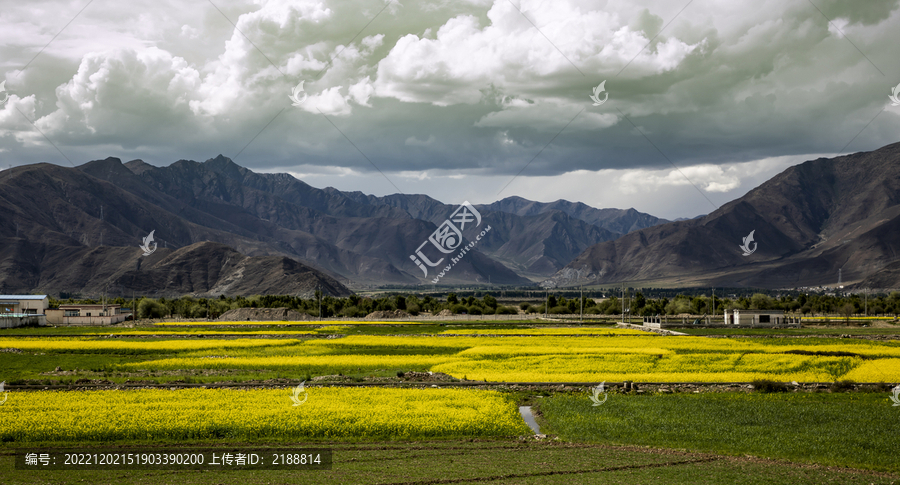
(845, 429)
(484, 461)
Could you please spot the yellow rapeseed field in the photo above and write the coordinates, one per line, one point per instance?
(293, 322)
(314, 364)
(549, 331)
(514, 358)
(880, 370)
(199, 414)
(189, 332)
(125, 346)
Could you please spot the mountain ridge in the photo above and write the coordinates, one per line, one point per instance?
(809, 221)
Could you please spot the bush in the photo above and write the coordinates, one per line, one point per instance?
(196, 311)
(843, 386)
(351, 311)
(559, 310)
(458, 308)
(506, 310)
(151, 309)
(765, 385)
(413, 309)
(475, 310)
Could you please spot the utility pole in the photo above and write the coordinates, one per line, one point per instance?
(867, 302)
(582, 303)
(547, 304)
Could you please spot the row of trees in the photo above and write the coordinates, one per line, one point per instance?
(638, 305)
(801, 304)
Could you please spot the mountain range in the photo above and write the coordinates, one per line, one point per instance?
(220, 228)
(78, 229)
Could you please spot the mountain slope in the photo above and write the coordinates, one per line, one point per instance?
(619, 221)
(202, 269)
(534, 245)
(808, 222)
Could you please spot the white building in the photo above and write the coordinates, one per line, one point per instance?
(19, 310)
(86, 315)
(758, 318)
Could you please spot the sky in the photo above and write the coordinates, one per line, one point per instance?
(697, 101)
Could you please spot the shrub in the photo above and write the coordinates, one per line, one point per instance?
(559, 310)
(151, 309)
(475, 310)
(506, 310)
(457, 308)
(766, 385)
(351, 311)
(843, 386)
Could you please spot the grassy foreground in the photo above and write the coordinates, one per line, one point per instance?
(858, 430)
(495, 462)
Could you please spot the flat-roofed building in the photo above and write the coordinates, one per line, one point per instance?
(86, 315)
(19, 310)
(758, 318)
(24, 304)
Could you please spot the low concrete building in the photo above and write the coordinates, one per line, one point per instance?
(24, 304)
(732, 319)
(758, 318)
(86, 315)
(21, 310)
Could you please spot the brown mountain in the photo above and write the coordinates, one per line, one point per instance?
(534, 245)
(807, 222)
(349, 236)
(360, 241)
(202, 269)
(107, 204)
(618, 221)
(885, 278)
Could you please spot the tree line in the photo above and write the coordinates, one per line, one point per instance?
(637, 304)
